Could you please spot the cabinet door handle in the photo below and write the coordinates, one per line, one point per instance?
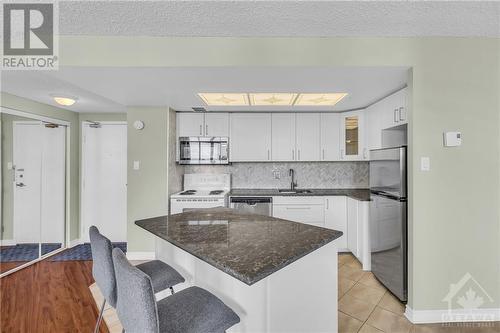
(206, 130)
(401, 117)
(396, 116)
(268, 155)
(323, 153)
(327, 204)
(201, 130)
(293, 154)
(290, 208)
(299, 155)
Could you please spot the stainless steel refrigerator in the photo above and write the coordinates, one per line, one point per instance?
(388, 219)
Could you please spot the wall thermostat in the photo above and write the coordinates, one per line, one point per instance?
(452, 139)
(138, 125)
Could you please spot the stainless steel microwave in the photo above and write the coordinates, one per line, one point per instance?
(203, 150)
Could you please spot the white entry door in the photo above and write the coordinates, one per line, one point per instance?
(39, 154)
(104, 180)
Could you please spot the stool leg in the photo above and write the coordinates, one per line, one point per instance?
(96, 329)
(172, 290)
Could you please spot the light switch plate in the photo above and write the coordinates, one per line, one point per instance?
(276, 174)
(137, 165)
(425, 164)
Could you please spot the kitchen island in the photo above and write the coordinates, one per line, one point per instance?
(277, 275)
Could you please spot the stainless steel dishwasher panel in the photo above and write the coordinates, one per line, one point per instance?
(253, 205)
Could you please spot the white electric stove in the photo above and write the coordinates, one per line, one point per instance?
(201, 191)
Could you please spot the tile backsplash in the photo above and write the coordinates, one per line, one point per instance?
(307, 174)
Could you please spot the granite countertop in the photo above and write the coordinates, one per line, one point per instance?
(246, 246)
(358, 194)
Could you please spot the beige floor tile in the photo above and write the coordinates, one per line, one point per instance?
(369, 329)
(391, 303)
(365, 293)
(368, 279)
(345, 258)
(355, 308)
(354, 264)
(348, 324)
(350, 273)
(344, 286)
(388, 322)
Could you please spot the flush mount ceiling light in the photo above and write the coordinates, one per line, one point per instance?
(314, 99)
(224, 99)
(272, 99)
(64, 100)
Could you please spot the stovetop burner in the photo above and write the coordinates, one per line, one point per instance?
(215, 192)
(188, 192)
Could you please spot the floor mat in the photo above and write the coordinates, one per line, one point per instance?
(82, 252)
(25, 252)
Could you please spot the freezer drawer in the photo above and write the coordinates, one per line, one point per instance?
(388, 241)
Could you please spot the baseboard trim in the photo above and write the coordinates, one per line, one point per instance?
(75, 242)
(141, 255)
(7, 242)
(450, 316)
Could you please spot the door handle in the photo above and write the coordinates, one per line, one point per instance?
(20, 185)
(323, 152)
(327, 204)
(299, 155)
(293, 154)
(268, 155)
(396, 116)
(201, 130)
(206, 130)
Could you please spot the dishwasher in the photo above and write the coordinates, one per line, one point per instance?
(253, 205)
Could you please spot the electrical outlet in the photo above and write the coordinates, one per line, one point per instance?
(276, 174)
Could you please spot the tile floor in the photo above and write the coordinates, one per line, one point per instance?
(365, 306)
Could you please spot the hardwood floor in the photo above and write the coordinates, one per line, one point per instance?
(49, 297)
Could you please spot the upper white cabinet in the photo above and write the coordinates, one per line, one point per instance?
(216, 124)
(373, 116)
(393, 109)
(308, 136)
(250, 137)
(336, 218)
(330, 136)
(283, 137)
(352, 136)
(202, 124)
(190, 124)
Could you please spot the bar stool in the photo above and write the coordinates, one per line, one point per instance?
(192, 310)
(162, 275)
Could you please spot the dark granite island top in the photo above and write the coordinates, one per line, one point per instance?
(247, 247)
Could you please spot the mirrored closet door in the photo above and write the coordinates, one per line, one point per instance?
(33, 197)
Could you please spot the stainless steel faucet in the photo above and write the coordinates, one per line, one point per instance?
(293, 184)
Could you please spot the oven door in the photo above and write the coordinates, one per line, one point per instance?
(184, 205)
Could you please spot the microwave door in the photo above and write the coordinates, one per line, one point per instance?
(190, 152)
(208, 152)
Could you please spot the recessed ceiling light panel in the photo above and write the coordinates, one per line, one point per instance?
(314, 99)
(270, 99)
(224, 99)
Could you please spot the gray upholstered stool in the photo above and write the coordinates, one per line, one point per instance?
(162, 275)
(193, 310)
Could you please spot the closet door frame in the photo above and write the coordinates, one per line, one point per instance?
(67, 226)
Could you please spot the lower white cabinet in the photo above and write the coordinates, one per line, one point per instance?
(336, 218)
(309, 210)
(352, 226)
(358, 237)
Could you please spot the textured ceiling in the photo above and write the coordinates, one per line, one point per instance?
(280, 18)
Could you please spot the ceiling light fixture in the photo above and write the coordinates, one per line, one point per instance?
(315, 99)
(224, 99)
(64, 100)
(269, 99)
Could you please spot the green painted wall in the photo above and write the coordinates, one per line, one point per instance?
(25, 105)
(454, 208)
(147, 194)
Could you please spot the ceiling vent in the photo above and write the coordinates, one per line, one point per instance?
(199, 109)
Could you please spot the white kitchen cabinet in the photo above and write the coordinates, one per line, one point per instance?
(216, 124)
(330, 136)
(250, 137)
(190, 124)
(283, 137)
(352, 227)
(202, 124)
(309, 210)
(394, 110)
(308, 136)
(336, 218)
(353, 136)
(373, 126)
